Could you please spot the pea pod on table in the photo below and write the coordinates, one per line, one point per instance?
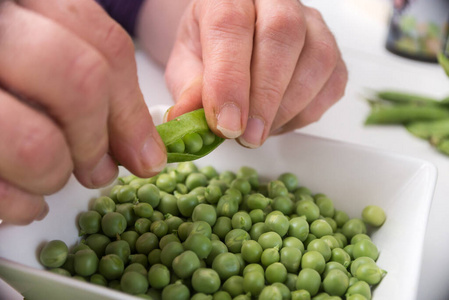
(403, 114)
(188, 137)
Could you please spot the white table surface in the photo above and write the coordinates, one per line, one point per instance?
(360, 28)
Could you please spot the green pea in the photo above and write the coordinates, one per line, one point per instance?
(360, 261)
(200, 244)
(154, 257)
(139, 258)
(120, 248)
(370, 273)
(241, 220)
(130, 237)
(98, 243)
(213, 193)
(158, 276)
(206, 281)
(146, 242)
(127, 210)
(277, 222)
(85, 262)
(126, 194)
(143, 210)
(331, 265)
(89, 222)
(358, 237)
(226, 265)
(205, 212)
(134, 283)
(185, 264)
(275, 272)
(233, 285)
(276, 188)
(320, 228)
(283, 204)
(201, 227)
(313, 260)
(365, 248)
(356, 297)
(235, 238)
(290, 257)
(61, 271)
(291, 241)
(320, 246)
(227, 206)
(331, 241)
(142, 225)
(170, 252)
(166, 183)
(177, 146)
(253, 282)
(218, 247)
(98, 279)
(149, 193)
(340, 217)
(341, 239)
(103, 205)
(251, 251)
(159, 228)
(300, 295)
(309, 280)
(54, 254)
(335, 283)
(325, 205)
(113, 224)
(168, 205)
(256, 230)
(193, 142)
(290, 181)
(270, 239)
(166, 239)
(353, 227)
(361, 288)
(373, 215)
(173, 223)
(258, 201)
(111, 266)
(339, 255)
(308, 209)
(241, 184)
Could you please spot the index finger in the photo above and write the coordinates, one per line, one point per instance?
(226, 30)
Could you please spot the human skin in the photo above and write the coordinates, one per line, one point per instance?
(66, 98)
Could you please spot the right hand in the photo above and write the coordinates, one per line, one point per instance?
(69, 102)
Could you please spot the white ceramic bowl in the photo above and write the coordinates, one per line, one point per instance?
(352, 176)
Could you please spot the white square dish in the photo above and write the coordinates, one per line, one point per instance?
(352, 176)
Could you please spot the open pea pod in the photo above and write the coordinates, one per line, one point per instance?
(188, 137)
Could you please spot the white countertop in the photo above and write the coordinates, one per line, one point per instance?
(360, 28)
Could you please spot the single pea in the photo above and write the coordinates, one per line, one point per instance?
(127, 210)
(103, 205)
(320, 228)
(98, 243)
(149, 193)
(185, 264)
(256, 230)
(170, 252)
(54, 254)
(227, 206)
(356, 297)
(309, 280)
(276, 272)
(270, 240)
(173, 223)
(193, 142)
(98, 279)
(257, 215)
(313, 260)
(310, 237)
(341, 238)
(253, 282)
(226, 265)
(340, 217)
(361, 288)
(241, 184)
(158, 215)
(146, 242)
(276, 221)
(359, 237)
(331, 265)
(227, 176)
(133, 283)
(177, 146)
(139, 258)
(325, 205)
(276, 188)
(270, 292)
(201, 227)
(308, 209)
(154, 257)
(201, 296)
(290, 181)
(339, 255)
(213, 193)
(290, 257)
(158, 276)
(251, 251)
(205, 212)
(241, 220)
(370, 273)
(166, 239)
(374, 215)
(209, 171)
(336, 282)
(235, 238)
(356, 263)
(285, 291)
(221, 295)
(200, 244)
(130, 237)
(300, 295)
(222, 226)
(111, 266)
(195, 180)
(126, 194)
(283, 204)
(113, 224)
(331, 241)
(270, 256)
(85, 262)
(332, 223)
(291, 281)
(258, 201)
(233, 285)
(349, 249)
(143, 210)
(218, 247)
(168, 205)
(166, 183)
(320, 246)
(301, 191)
(205, 280)
(365, 248)
(89, 222)
(159, 228)
(61, 271)
(352, 227)
(120, 248)
(176, 291)
(291, 241)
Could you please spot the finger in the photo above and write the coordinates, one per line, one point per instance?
(134, 140)
(19, 207)
(315, 65)
(279, 38)
(226, 31)
(67, 77)
(333, 91)
(34, 153)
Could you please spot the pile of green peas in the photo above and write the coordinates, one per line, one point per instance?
(195, 233)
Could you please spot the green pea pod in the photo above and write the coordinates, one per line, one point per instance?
(429, 130)
(175, 130)
(443, 60)
(403, 114)
(398, 97)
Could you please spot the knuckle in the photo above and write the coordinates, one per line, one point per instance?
(231, 18)
(284, 26)
(117, 42)
(314, 13)
(326, 53)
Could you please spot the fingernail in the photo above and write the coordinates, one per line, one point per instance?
(153, 156)
(165, 117)
(252, 137)
(229, 121)
(43, 212)
(104, 172)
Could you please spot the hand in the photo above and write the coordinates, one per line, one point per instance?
(257, 67)
(69, 102)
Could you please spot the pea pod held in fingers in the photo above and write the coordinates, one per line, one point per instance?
(403, 114)
(190, 129)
